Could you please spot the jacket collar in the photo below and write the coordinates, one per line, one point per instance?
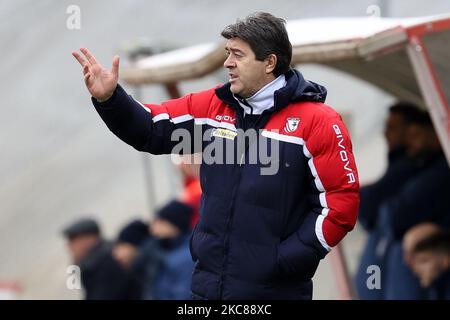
(296, 89)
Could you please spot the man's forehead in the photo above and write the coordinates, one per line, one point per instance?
(236, 44)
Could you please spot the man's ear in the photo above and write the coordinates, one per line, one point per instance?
(271, 63)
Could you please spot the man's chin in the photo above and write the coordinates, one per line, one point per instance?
(235, 89)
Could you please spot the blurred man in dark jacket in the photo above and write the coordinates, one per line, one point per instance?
(101, 276)
(130, 238)
(400, 168)
(127, 249)
(422, 199)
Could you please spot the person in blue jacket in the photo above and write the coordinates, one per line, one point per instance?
(171, 229)
(279, 180)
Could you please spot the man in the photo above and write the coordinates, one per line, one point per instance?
(414, 236)
(400, 166)
(260, 235)
(400, 169)
(423, 198)
(172, 228)
(431, 263)
(430, 186)
(101, 276)
(129, 240)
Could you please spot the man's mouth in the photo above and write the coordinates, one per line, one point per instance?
(232, 77)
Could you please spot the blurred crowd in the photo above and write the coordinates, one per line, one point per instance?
(147, 259)
(406, 214)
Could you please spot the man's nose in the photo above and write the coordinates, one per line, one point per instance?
(229, 62)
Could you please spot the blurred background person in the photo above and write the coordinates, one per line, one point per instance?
(126, 250)
(129, 240)
(430, 261)
(172, 230)
(414, 235)
(101, 276)
(422, 199)
(400, 168)
(161, 261)
(189, 167)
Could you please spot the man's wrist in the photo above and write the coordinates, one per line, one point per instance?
(106, 98)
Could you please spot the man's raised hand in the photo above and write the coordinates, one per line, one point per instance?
(100, 81)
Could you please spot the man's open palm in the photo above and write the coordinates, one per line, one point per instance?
(100, 81)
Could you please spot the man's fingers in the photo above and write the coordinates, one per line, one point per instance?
(115, 65)
(86, 77)
(89, 56)
(85, 68)
(79, 58)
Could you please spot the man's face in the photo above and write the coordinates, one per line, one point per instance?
(81, 245)
(394, 131)
(163, 229)
(247, 75)
(125, 254)
(428, 266)
(414, 236)
(417, 139)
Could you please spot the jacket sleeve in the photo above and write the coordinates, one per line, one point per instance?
(333, 198)
(152, 128)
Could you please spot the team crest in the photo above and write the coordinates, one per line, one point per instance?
(291, 124)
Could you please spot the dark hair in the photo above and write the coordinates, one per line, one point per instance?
(266, 34)
(410, 112)
(134, 233)
(438, 242)
(177, 213)
(82, 227)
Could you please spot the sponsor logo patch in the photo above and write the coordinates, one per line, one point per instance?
(224, 133)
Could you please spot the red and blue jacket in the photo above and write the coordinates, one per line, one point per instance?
(259, 236)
